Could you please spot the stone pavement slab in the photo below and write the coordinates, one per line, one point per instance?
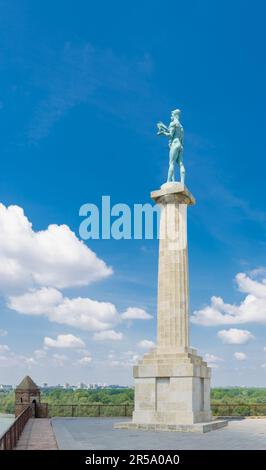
(196, 427)
(37, 435)
(98, 433)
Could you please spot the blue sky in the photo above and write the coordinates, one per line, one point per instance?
(82, 87)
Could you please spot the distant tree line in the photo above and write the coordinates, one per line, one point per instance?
(234, 395)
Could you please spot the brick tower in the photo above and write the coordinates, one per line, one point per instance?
(26, 393)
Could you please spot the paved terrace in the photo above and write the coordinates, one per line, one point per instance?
(98, 434)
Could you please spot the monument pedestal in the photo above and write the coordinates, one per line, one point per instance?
(172, 383)
(172, 388)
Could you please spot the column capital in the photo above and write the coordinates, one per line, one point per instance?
(173, 192)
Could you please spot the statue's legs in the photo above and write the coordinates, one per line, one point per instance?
(171, 176)
(182, 172)
(181, 166)
(172, 159)
(176, 156)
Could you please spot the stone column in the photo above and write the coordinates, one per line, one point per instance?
(173, 297)
(172, 383)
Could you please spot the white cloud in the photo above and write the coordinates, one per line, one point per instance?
(30, 361)
(263, 366)
(129, 353)
(79, 312)
(240, 356)
(53, 257)
(3, 332)
(212, 360)
(126, 360)
(82, 352)
(35, 264)
(111, 355)
(85, 313)
(134, 313)
(251, 309)
(146, 344)
(261, 271)
(64, 341)
(12, 360)
(85, 360)
(59, 359)
(3, 348)
(36, 302)
(235, 336)
(108, 335)
(40, 354)
(264, 349)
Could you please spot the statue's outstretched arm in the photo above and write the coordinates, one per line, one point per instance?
(163, 129)
(162, 125)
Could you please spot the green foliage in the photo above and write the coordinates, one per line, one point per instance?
(7, 402)
(92, 398)
(237, 397)
(237, 401)
(102, 396)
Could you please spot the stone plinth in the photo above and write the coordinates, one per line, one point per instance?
(197, 427)
(171, 388)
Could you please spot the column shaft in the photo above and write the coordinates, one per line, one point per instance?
(173, 296)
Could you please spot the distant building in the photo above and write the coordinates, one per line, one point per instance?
(6, 388)
(117, 386)
(95, 386)
(81, 386)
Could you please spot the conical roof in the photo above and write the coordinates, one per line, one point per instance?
(27, 384)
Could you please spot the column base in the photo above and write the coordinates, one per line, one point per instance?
(197, 427)
(172, 389)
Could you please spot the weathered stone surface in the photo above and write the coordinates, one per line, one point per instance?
(173, 298)
(198, 427)
(172, 383)
(175, 392)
